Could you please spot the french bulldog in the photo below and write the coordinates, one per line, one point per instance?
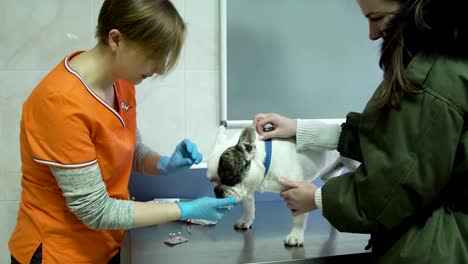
(240, 165)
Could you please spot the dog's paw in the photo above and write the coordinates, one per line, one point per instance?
(294, 240)
(241, 224)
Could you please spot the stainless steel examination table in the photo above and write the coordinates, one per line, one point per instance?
(221, 243)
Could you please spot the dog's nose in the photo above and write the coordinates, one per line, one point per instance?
(219, 192)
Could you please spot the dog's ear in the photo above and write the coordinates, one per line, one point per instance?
(247, 140)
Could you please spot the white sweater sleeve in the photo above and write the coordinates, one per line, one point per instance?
(317, 134)
(318, 198)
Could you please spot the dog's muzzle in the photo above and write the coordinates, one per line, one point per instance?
(219, 192)
(222, 192)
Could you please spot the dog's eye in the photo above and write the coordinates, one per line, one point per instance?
(214, 181)
(248, 147)
(246, 163)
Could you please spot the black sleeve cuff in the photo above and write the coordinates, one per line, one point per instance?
(348, 143)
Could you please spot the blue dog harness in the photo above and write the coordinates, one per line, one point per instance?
(267, 162)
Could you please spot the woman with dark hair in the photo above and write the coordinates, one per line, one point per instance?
(411, 188)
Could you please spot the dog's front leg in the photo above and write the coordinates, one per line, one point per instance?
(296, 236)
(248, 214)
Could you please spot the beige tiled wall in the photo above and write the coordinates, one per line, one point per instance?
(36, 35)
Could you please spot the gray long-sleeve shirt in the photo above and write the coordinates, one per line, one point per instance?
(86, 195)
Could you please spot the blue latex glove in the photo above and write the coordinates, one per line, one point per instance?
(208, 208)
(185, 155)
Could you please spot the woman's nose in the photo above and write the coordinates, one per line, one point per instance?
(159, 69)
(374, 31)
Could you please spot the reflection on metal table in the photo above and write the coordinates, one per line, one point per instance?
(221, 243)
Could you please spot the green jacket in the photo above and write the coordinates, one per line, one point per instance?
(411, 190)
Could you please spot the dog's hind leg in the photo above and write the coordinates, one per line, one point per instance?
(248, 214)
(296, 236)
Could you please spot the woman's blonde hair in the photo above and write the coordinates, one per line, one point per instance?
(155, 25)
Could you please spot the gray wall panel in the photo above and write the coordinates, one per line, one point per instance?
(300, 58)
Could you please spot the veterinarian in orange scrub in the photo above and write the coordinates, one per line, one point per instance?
(411, 188)
(79, 143)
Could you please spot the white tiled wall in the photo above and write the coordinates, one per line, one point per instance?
(36, 35)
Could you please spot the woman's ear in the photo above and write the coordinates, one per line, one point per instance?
(113, 39)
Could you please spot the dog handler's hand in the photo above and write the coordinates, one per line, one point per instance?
(208, 208)
(185, 155)
(299, 196)
(283, 127)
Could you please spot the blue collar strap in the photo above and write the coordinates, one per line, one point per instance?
(266, 163)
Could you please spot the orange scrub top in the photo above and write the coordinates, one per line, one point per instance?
(65, 124)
